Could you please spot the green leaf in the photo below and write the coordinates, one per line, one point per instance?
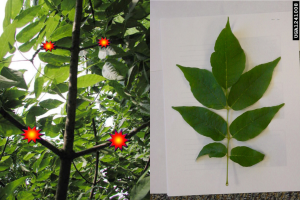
(252, 123)
(119, 89)
(25, 195)
(204, 121)
(27, 45)
(228, 60)
(51, 25)
(2, 142)
(11, 187)
(28, 156)
(61, 32)
(50, 103)
(68, 5)
(15, 76)
(213, 150)
(14, 94)
(43, 175)
(141, 189)
(5, 164)
(59, 73)
(89, 80)
(53, 59)
(8, 11)
(38, 86)
(45, 163)
(7, 37)
(16, 7)
(29, 31)
(251, 86)
(36, 164)
(32, 113)
(5, 62)
(7, 83)
(205, 88)
(107, 158)
(246, 156)
(114, 70)
(26, 16)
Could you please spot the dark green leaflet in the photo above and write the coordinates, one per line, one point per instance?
(246, 156)
(204, 121)
(205, 87)
(252, 123)
(251, 86)
(213, 150)
(228, 60)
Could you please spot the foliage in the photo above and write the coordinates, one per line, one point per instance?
(226, 87)
(114, 86)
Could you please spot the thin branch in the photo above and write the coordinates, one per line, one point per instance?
(81, 174)
(147, 165)
(88, 47)
(92, 12)
(97, 161)
(31, 60)
(107, 144)
(7, 139)
(20, 126)
(2, 184)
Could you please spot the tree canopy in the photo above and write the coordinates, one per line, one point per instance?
(100, 83)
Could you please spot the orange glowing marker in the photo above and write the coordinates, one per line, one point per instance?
(48, 46)
(103, 42)
(118, 140)
(31, 134)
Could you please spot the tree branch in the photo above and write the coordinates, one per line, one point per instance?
(20, 126)
(92, 12)
(107, 144)
(31, 60)
(2, 184)
(7, 139)
(81, 174)
(147, 165)
(88, 47)
(65, 165)
(97, 161)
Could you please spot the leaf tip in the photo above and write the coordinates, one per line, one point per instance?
(228, 24)
(175, 108)
(277, 60)
(180, 67)
(281, 105)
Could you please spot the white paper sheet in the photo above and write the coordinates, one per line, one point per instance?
(264, 37)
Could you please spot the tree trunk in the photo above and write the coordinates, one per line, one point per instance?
(65, 164)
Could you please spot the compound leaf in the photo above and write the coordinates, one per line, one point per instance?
(204, 121)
